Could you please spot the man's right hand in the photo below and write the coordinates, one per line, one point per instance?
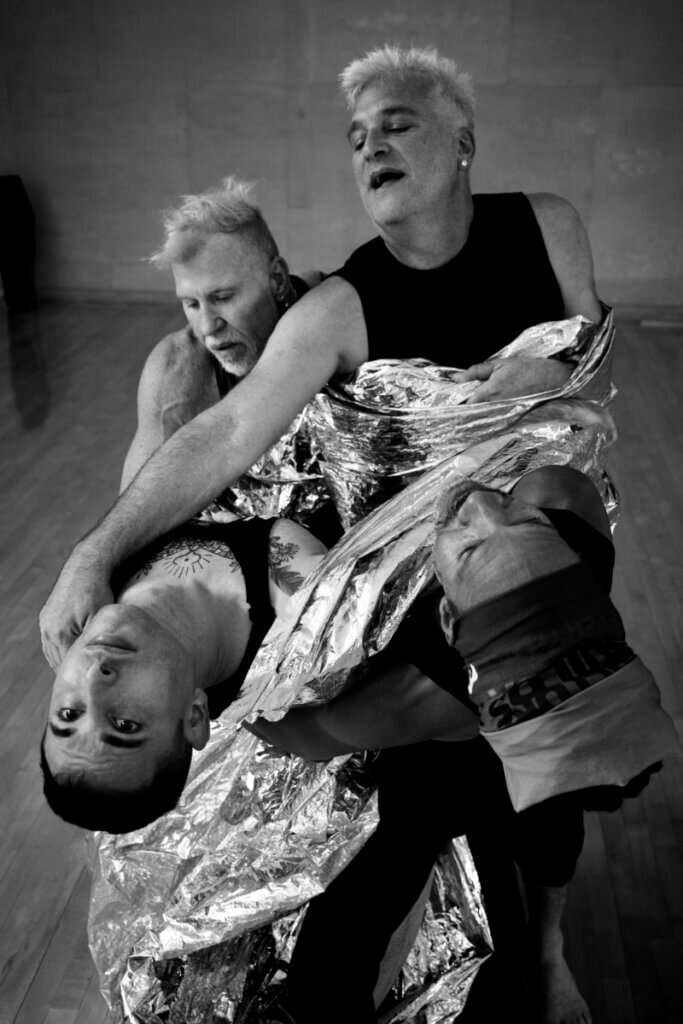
(82, 588)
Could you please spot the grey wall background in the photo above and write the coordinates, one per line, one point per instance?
(110, 110)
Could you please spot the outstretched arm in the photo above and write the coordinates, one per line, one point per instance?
(322, 335)
(396, 704)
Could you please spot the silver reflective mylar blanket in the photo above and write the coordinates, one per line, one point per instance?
(193, 918)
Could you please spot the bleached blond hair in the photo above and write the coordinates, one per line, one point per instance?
(421, 64)
(226, 209)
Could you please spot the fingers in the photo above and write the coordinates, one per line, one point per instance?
(55, 646)
(56, 641)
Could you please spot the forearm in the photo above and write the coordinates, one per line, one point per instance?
(301, 732)
(395, 706)
(179, 479)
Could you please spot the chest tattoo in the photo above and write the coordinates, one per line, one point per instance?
(187, 556)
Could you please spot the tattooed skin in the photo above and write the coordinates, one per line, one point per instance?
(188, 555)
(279, 556)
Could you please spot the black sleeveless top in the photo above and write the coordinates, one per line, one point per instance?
(500, 283)
(248, 541)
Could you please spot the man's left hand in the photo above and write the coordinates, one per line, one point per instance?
(516, 376)
(82, 589)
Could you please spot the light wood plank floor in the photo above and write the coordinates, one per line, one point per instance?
(67, 401)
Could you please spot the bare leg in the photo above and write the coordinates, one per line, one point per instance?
(556, 993)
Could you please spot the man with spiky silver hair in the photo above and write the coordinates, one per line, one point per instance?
(233, 286)
(451, 277)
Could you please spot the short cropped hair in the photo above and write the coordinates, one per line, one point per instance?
(226, 209)
(75, 799)
(421, 64)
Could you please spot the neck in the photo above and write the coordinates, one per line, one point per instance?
(212, 628)
(432, 238)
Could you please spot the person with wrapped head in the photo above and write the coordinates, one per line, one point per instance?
(567, 707)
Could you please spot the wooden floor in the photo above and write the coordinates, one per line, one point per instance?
(67, 400)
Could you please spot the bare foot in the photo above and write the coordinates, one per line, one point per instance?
(557, 995)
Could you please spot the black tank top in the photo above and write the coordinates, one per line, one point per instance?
(500, 283)
(248, 540)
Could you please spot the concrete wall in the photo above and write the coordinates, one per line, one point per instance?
(109, 110)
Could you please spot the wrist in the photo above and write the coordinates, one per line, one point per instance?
(93, 553)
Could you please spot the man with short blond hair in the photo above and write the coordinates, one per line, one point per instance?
(234, 286)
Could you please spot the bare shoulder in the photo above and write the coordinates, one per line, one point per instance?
(561, 225)
(293, 553)
(176, 351)
(329, 316)
(287, 533)
(569, 252)
(176, 363)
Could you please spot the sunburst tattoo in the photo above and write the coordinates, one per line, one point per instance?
(187, 556)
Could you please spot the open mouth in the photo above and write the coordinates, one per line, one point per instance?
(378, 179)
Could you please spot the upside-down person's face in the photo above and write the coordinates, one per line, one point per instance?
(493, 542)
(117, 699)
(228, 291)
(405, 141)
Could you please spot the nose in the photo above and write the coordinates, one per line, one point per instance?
(101, 671)
(375, 143)
(483, 509)
(209, 320)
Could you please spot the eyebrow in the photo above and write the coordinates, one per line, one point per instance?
(111, 741)
(385, 112)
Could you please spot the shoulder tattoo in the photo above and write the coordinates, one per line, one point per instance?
(186, 556)
(280, 555)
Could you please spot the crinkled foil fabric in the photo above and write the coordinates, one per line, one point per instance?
(286, 481)
(395, 419)
(193, 918)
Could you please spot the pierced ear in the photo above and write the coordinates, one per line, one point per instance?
(197, 728)
(447, 617)
(466, 145)
(279, 277)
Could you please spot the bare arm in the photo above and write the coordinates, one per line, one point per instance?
(322, 335)
(569, 254)
(293, 553)
(392, 707)
(149, 434)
